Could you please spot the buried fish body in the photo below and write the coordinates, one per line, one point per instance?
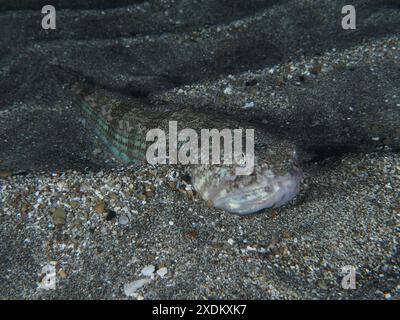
(122, 122)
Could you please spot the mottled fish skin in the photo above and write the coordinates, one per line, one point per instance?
(274, 181)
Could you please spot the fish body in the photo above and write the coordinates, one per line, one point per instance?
(123, 122)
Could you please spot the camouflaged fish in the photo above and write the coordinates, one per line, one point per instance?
(122, 122)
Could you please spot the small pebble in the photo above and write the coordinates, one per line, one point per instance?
(162, 272)
(131, 287)
(111, 214)
(249, 105)
(58, 215)
(100, 207)
(228, 90)
(148, 270)
(123, 220)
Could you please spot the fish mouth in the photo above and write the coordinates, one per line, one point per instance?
(265, 191)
